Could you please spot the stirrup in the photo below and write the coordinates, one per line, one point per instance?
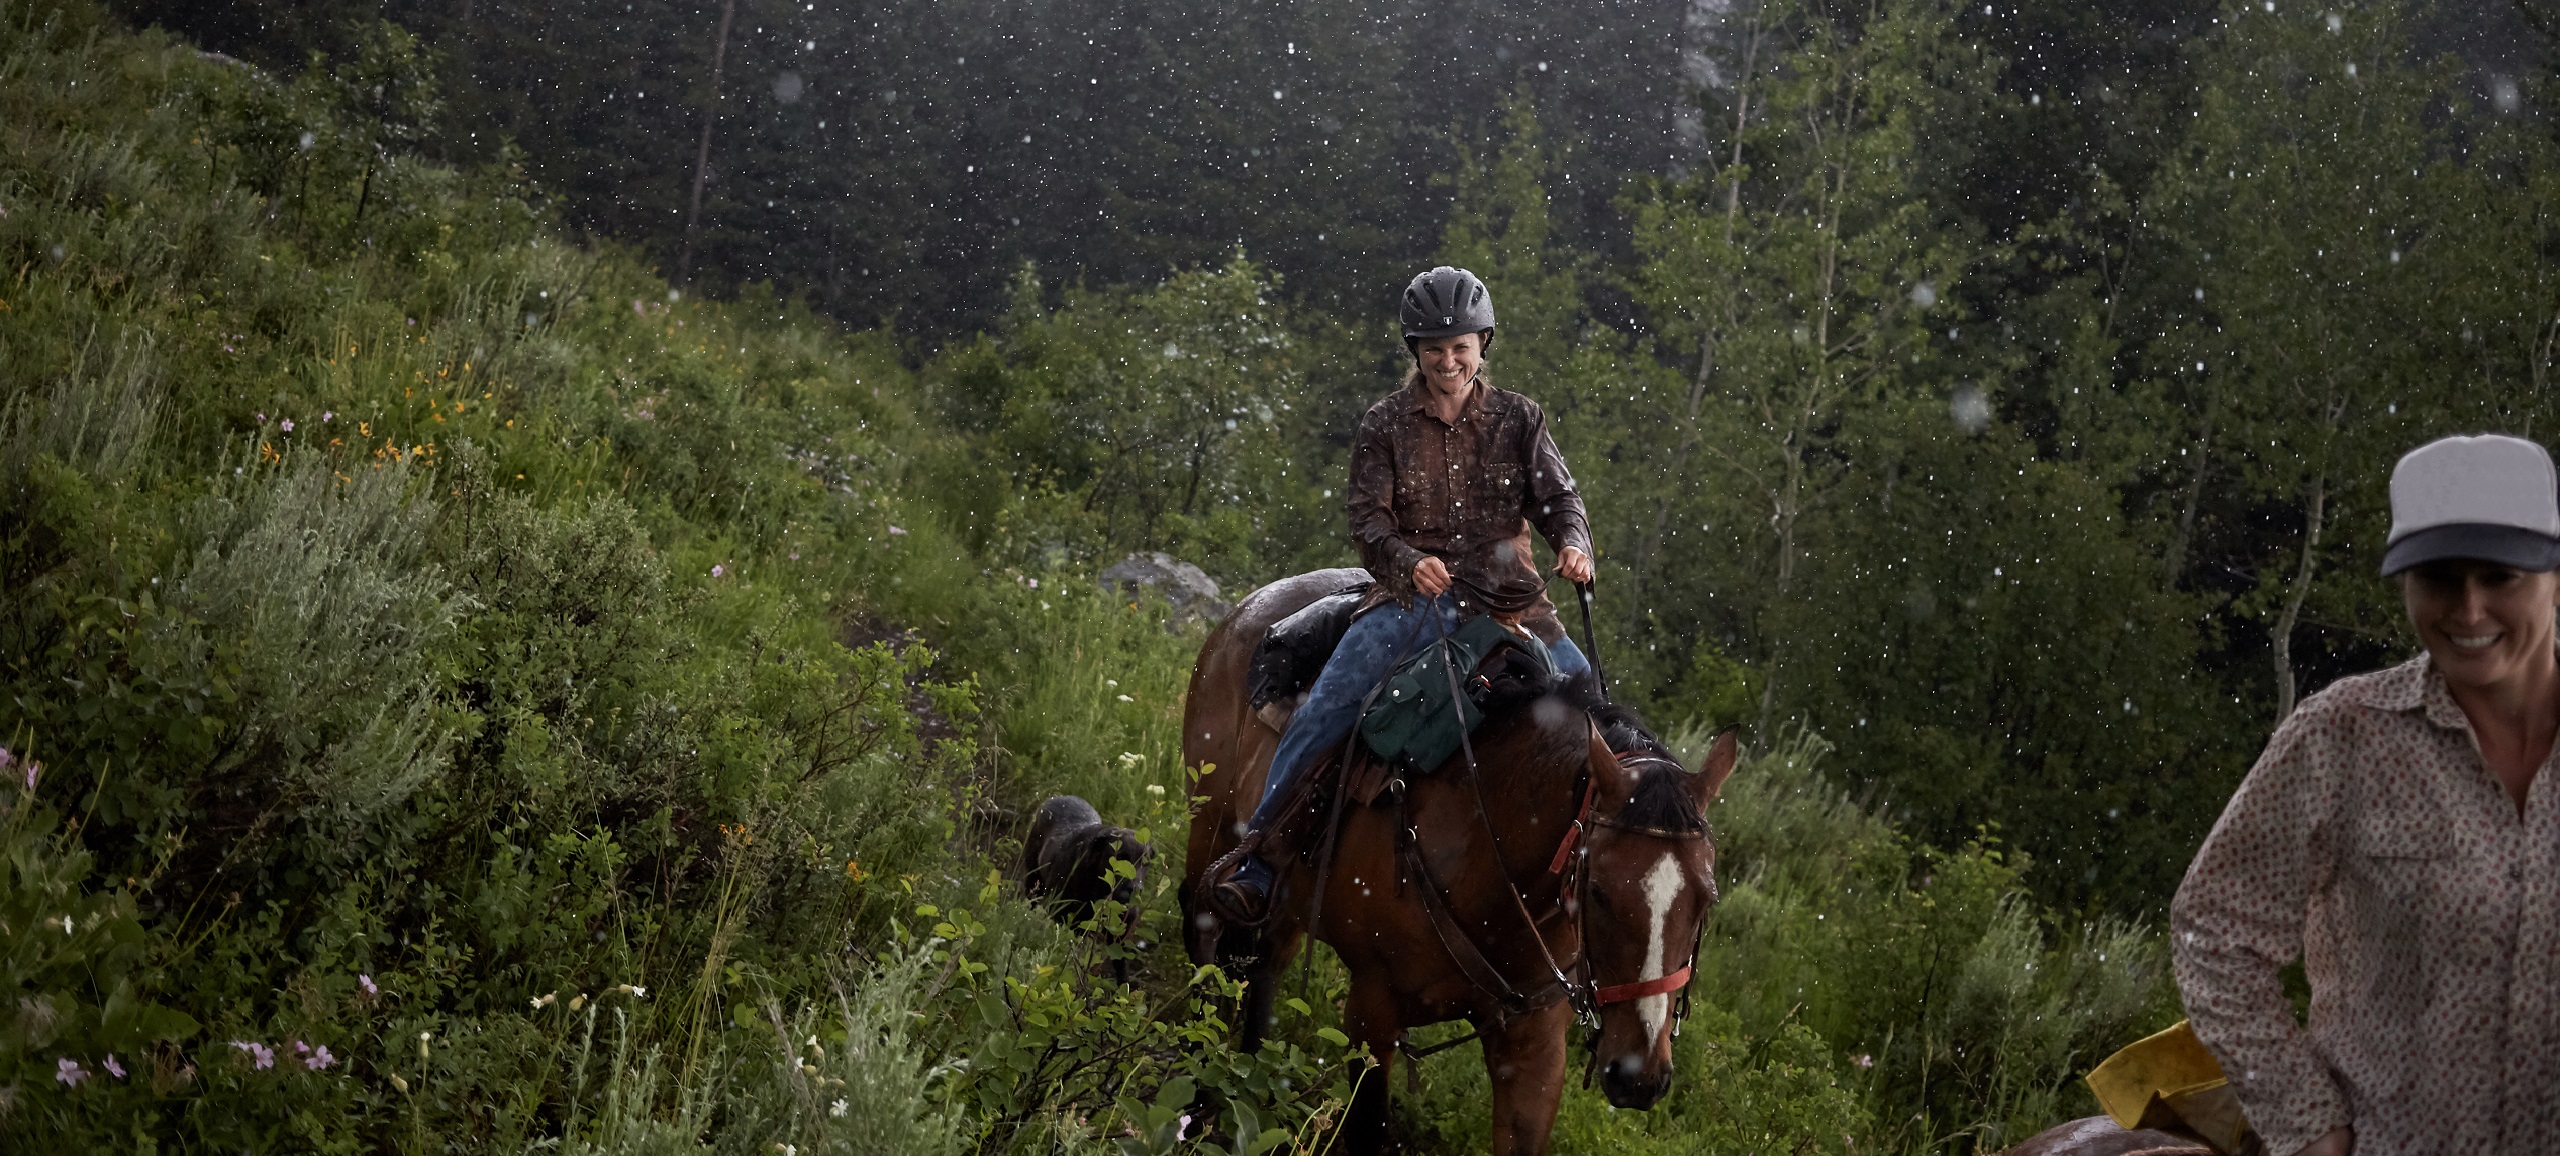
(1239, 904)
(1232, 900)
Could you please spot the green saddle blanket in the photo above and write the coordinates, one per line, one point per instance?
(1432, 700)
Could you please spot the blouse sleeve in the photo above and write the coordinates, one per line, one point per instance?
(2238, 919)
(1550, 501)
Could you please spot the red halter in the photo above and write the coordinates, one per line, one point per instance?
(1631, 992)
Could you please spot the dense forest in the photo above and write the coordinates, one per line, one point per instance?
(546, 550)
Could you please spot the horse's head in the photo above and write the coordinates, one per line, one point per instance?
(1648, 880)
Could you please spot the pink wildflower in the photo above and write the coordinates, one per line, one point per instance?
(893, 530)
(327, 415)
(113, 1067)
(717, 571)
(319, 1058)
(69, 1071)
(367, 981)
(263, 1056)
(288, 425)
(262, 419)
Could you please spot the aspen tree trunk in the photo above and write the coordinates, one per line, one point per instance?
(1790, 503)
(1708, 337)
(702, 152)
(2318, 506)
(2175, 563)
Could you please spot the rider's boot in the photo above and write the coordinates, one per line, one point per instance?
(1243, 898)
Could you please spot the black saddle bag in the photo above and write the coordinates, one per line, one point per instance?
(1293, 651)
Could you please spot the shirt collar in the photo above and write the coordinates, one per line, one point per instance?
(2413, 685)
(1418, 398)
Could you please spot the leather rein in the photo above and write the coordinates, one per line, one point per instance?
(1587, 996)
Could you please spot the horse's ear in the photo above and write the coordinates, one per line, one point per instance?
(1611, 780)
(1718, 766)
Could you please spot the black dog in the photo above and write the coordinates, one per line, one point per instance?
(1067, 858)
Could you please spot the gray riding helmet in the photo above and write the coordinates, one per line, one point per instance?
(1446, 302)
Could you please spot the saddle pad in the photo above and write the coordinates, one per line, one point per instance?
(1416, 723)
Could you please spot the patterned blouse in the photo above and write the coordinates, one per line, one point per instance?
(2372, 842)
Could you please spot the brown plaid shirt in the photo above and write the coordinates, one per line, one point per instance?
(1466, 494)
(2371, 842)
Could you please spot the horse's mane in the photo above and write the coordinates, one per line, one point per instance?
(1662, 800)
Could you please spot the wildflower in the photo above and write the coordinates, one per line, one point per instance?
(837, 1109)
(577, 1001)
(1126, 698)
(319, 1058)
(69, 1071)
(399, 1083)
(1156, 789)
(422, 1045)
(1182, 1128)
(896, 532)
(544, 1000)
(633, 990)
(264, 1057)
(853, 870)
(288, 425)
(717, 571)
(1864, 1060)
(795, 557)
(262, 419)
(113, 1067)
(367, 982)
(327, 415)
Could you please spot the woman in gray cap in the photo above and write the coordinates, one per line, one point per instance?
(2401, 838)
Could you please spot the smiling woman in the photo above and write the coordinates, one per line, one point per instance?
(2392, 839)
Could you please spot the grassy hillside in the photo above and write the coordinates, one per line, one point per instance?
(464, 695)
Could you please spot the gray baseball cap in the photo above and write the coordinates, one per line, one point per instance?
(2493, 497)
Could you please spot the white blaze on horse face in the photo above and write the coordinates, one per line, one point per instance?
(1661, 886)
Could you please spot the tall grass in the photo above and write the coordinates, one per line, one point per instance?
(488, 701)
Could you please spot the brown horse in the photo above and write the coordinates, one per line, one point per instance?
(1542, 878)
(2099, 1136)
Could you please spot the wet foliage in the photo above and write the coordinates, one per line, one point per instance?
(490, 664)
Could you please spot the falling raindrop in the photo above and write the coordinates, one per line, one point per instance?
(1971, 411)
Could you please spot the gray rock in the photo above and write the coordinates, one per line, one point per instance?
(1192, 594)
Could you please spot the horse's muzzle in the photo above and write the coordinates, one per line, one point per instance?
(1629, 1085)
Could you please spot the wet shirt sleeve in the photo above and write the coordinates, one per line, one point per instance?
(1371, 503)
(1550, 501)
(2238, 919)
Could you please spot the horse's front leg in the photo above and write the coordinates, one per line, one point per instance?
(1369, 1018)
(1525, 1062)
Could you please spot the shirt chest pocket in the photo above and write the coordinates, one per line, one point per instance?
(2400, 852)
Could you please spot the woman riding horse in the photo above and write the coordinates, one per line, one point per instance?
(1447, 476)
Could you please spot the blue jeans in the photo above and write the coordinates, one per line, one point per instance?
(1368, 650)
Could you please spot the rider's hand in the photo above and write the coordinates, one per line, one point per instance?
(1431, 576)
(2338, 1142)
(1574, 565)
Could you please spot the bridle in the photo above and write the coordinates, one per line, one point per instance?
(1575, 982)
(1590, 997)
